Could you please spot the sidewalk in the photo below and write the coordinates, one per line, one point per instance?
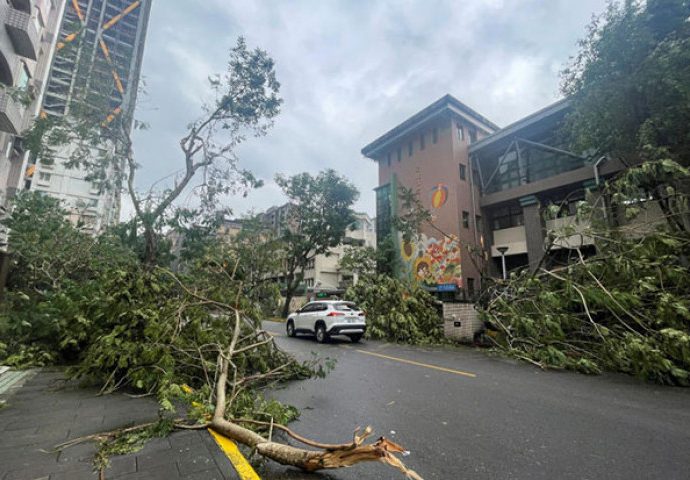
(46, 411)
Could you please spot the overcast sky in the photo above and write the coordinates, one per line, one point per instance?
(350, 70)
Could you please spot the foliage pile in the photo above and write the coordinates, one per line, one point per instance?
(397, 310)
(625, 309)
(90, 302)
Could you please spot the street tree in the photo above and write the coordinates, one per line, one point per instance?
(246, 100)
(319, 214)
(359, 260)
(629, 83)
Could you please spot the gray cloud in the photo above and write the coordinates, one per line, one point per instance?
(350, 70)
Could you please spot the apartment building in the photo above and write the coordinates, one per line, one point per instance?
(27, 43)
(323, 274)
(486, 189)
(98, 53)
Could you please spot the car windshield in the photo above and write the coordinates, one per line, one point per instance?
(345, 306)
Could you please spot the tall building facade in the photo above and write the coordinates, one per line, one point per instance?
(429, 154)
(99, 52)
(28, 37)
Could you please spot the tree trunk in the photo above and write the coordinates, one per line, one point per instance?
(150, 245)
(289, 293)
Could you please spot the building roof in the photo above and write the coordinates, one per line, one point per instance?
(555, 108)
(447, 103)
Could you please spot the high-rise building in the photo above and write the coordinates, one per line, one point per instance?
(99, 52)
(27, 42)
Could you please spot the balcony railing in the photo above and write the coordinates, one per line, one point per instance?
(22, 32)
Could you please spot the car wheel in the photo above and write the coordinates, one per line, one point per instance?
(290, 328)
(321, 335)
(356, 337)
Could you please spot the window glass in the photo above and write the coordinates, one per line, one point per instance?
(507, 217)
(309, 307)
(463, 172)
(473, 135)
(345, 306)
(466, 219)
(24, 77)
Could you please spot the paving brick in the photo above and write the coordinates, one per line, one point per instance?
(167, 468)
(188, 463)
(45, 412)
(121, 465)
(213, 474)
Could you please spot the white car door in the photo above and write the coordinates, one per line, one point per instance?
(303, 317)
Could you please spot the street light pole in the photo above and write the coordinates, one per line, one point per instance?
(503, 251)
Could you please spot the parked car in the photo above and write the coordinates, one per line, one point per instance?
(326, 318)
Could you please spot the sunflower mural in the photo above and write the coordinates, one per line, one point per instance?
(432, 261)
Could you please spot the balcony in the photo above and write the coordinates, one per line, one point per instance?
(10, 114)
(514, 238)
(570, 232)
(23, 5)
(22, 32)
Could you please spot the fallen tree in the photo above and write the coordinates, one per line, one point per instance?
(625, 309)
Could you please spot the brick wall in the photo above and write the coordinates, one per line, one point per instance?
(460, 321)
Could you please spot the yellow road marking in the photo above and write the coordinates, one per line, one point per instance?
(418, 364)
(244, 470)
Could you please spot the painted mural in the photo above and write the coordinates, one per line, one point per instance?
(432, 261)
(439, 195)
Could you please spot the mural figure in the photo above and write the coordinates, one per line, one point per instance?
(432, 261)
(439, 195)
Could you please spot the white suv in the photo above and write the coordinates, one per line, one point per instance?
(327, 318)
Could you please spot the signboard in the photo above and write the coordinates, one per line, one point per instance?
(446, 287)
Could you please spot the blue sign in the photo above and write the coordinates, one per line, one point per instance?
(446, 287)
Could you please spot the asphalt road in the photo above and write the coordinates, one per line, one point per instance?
(466, 415)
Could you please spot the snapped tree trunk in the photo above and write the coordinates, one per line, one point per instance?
(150, 245)
(289, 293)
(327, 456)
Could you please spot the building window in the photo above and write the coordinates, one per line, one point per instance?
(399, 154)
(383, 213)
(43, 177)
(461, 132)
(465, 219)
(470, 287)
(434, 135)
(421, 142)
(507, 217)
(473, 135)
(463, 172)
(388, 159)
(24, 77)
(409, 149)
